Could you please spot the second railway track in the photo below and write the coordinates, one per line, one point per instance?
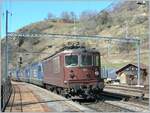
(106, 107)
(108, 102)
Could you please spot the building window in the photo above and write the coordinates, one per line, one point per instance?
(132, 68)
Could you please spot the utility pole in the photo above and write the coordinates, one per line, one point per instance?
(108, 47)
(138, 54)
(126, 34)
(6, 47)
(74, 24)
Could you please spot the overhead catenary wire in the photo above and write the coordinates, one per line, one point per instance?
(33, 52)
(26, 35)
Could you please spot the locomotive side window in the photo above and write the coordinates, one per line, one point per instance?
(56, 65)
(96, 60)
(86, 60)
(71, 60)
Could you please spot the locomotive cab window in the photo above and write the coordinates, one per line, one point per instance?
(71, 60)
(86, 60)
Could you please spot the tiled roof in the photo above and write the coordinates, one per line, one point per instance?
(142, 67)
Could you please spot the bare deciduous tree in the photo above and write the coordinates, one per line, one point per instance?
(73, 16)
(87, 19)
(50, 16)
(65, 16)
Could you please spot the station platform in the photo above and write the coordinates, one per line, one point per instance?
(30, 98)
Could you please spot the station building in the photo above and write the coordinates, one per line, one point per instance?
(129, 74)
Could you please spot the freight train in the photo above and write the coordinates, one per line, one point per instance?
(71, 71)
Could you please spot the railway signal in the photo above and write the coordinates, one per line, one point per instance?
(20, 62)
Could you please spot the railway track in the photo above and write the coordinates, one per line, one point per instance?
(125, 86)
(138, 90)
(103, 106)
(114, 102)
(145, 101)
(134, 99)
(110, 102)
(13, 98)
(136, 93)
(115, 96)
(18, 106)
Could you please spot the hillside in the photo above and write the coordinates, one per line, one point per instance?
(128, 16)
(125, 18)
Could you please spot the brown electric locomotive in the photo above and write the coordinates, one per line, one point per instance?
(74, 71)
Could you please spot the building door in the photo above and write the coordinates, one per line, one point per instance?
(123, 78)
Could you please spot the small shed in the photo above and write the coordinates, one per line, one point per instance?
(129, 74)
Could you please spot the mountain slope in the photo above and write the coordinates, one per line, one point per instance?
(126, 17)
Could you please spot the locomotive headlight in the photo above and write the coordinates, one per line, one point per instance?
(65, 82)
(96, 73)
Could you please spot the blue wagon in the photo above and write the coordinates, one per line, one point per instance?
(36, 75)
(27, 73)
(17, 74)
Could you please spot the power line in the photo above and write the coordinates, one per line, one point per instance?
(33, 52)
(27, 35)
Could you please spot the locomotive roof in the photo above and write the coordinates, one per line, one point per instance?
(69, 49)
(79, 50)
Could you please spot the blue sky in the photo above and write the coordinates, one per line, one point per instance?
(25, 12)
